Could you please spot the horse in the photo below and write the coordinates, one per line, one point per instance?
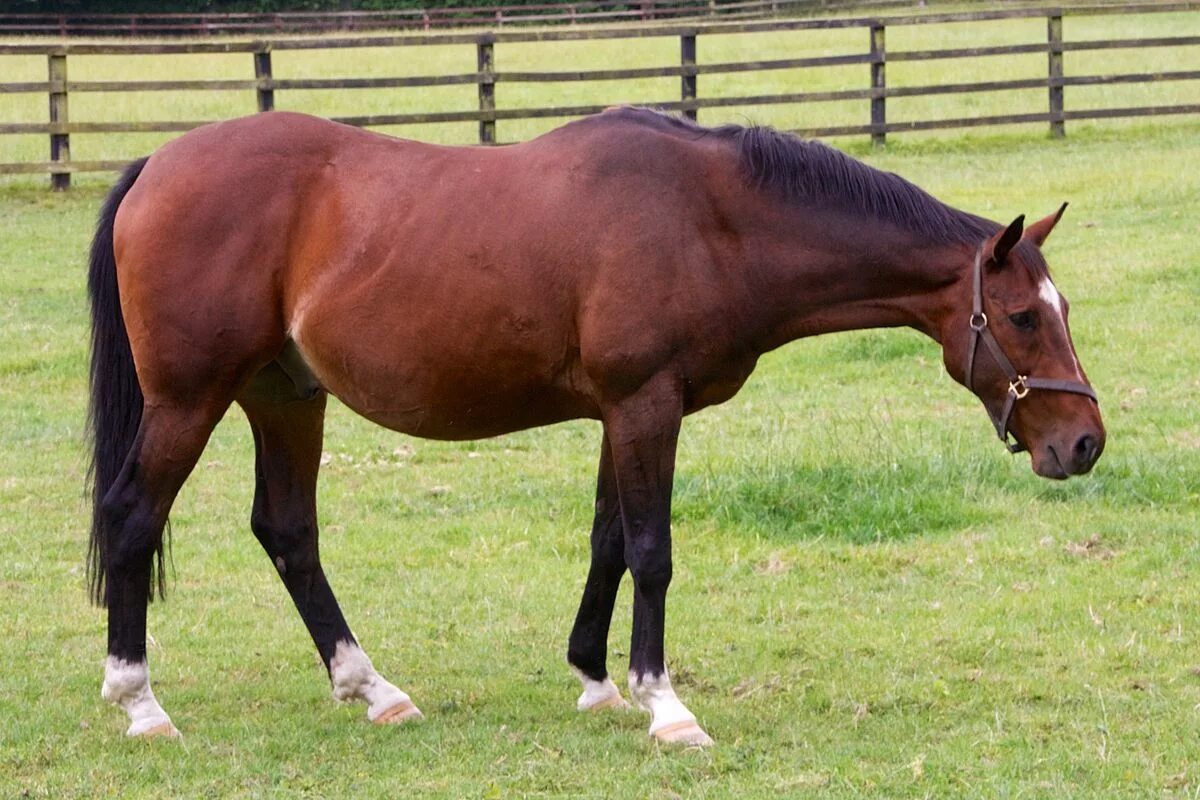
(629, 267)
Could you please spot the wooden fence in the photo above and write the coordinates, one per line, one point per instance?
(226, 24)
(875, 93)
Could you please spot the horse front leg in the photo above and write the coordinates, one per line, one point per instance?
(643, 431)
(587, 651)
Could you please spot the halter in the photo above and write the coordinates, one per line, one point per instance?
(1018, 385)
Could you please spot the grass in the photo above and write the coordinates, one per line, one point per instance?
(871, 598)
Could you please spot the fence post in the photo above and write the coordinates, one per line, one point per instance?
(878, 86)
(485, 58)
(687, 59)
(60, 143)
(262, 71)
(1054, 37)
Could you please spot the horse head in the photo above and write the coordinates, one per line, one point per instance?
(1010, 344)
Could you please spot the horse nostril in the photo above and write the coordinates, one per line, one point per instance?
(1086, 449)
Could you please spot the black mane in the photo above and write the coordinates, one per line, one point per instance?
(813, 174)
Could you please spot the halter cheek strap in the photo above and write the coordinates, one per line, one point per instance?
(1018, 385)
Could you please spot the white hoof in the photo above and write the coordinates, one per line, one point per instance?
(612, 701)
(683, 734)
(164, 729)
(398, 714)
(599, 695)
(127, 684)
(671, 722)
(354, 678)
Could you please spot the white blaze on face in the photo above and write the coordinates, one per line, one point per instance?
(354, 678)
(127, 683)
(1049, 294)
(1051, 297)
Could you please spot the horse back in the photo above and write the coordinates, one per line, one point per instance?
(445, 292)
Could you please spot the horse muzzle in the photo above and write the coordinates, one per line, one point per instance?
(1060, 460)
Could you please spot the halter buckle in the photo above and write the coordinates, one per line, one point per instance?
(1018, 388)
(978, 321)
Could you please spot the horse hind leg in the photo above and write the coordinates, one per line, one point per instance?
(133, 513)
(288, 425)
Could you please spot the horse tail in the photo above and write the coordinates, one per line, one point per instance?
(115, 408)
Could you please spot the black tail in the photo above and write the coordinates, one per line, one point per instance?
(115, 410)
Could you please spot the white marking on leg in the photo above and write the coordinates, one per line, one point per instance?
(598, 694)
(354, 678)
(127, 684)
(670, 719)
(1050, 295)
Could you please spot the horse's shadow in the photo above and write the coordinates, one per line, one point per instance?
(845, 502)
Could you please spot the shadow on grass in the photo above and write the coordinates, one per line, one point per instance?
(851, 503)
(858, 503)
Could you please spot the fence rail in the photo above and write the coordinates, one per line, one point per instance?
(875, 90)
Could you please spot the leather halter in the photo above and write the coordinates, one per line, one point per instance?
(1018, 385)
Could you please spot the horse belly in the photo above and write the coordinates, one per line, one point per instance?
(448, 380)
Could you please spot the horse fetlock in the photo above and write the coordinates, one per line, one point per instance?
(598, 694)
(354, 678)
(127, 684)
(670, 722)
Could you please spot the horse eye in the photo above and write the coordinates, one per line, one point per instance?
(1023, 320)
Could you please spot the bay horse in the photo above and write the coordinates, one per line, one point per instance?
(628, 267)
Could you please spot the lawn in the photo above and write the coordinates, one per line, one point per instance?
(871, 597)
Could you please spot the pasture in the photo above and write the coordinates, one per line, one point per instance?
(871, 598)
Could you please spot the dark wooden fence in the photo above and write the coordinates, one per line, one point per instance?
(875, 91)
(226, 24)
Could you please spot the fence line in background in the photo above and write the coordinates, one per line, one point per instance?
(876, 92)
(224, 24)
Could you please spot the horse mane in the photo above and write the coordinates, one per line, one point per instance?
(811, 173)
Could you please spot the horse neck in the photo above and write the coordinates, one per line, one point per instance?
(821, 273)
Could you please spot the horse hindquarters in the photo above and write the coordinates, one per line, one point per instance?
(141, 454)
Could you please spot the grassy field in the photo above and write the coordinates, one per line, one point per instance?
(871, 598)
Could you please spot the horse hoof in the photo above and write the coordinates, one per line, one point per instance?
(612, 701)
(399, 713)
(684, 734)
(164, 729)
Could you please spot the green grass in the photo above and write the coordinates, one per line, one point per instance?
(871, 598)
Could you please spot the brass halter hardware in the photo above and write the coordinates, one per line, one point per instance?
(1018, 385)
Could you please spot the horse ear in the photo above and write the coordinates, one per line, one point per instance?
(998, 247)
(1038, 231)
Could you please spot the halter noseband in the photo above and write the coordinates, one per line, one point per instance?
(1018, 385)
